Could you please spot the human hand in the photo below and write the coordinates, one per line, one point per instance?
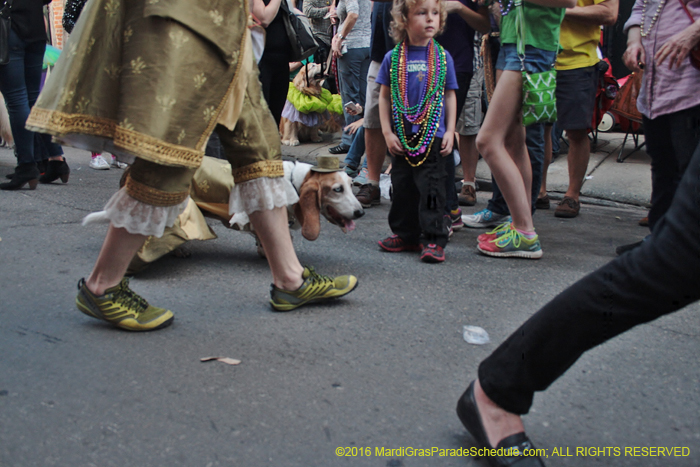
(634, 57)
(353, 109)
(354, 126)
(336, 47)
(677, 48)
(393, 144)
(447, 143)
(452, 6)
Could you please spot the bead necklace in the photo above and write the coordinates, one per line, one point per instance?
(506, 10)
(653, 18)
(427, 111)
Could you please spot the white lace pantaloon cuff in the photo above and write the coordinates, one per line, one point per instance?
(135, 216)
(259, 194)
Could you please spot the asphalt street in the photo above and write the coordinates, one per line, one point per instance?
(380, 368)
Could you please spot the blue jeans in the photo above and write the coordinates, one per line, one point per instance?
(357, 150)
(534, 139)
(20, 82)
(352, 70)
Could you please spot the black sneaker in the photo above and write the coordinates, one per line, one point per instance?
(339, 149)
(432, 254)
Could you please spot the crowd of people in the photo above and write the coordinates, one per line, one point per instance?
(412, 73)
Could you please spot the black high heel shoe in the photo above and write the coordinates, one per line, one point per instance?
(56, 170)
(25, 173)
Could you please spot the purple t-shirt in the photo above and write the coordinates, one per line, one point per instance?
(417, 68)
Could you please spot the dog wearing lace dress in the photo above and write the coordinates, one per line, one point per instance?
(310, 109)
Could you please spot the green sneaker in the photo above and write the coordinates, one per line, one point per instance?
(315, 288)
(123, 308)
(495, 233)
(512, 244)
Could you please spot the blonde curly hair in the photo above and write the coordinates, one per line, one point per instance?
(399, 12)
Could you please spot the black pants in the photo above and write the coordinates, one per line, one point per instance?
(274, 77)
(671, 140)
(656, 279)
(418, 208)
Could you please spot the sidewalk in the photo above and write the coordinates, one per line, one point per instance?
(607, 181)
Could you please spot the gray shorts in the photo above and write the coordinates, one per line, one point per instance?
(576, 91)
(470, 120)
(372, 120)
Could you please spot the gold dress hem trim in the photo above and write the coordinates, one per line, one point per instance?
(140, 145)
(152, 196)
(266, 168)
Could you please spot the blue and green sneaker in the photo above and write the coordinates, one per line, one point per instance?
(512, 244)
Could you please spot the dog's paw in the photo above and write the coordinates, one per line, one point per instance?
(286, 142)
(294, 142)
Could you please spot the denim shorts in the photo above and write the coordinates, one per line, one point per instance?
(536, 60)
(576, 90)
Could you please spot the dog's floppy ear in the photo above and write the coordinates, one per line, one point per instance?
(308, 209)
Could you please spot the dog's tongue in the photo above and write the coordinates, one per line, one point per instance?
(349, 226)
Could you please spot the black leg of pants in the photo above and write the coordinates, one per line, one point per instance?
(656, 279)
(671, 140)
(418, 208)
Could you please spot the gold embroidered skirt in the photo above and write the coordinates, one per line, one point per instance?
(144, 78)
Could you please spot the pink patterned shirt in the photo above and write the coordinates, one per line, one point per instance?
(665, 91)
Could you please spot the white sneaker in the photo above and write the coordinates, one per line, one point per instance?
(117, 164)
(99, 163)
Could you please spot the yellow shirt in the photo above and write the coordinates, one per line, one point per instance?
(579, 42)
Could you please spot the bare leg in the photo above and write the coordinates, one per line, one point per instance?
(547, 159)
(375, 148)
(498, 423)
(501, 141)
(272, 229)
(118, 249)
(470, 156)
(579, 154)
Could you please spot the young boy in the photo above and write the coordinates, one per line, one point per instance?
(417, 108)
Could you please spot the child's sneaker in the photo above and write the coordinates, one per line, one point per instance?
(396, 244)
(99, 163)
(495, 233)
(432, 254)
(456, 218)
(484, 218)
(117, 164)
(448, 223)
(512, 244)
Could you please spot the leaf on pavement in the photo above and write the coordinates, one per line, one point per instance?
(230, 361)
